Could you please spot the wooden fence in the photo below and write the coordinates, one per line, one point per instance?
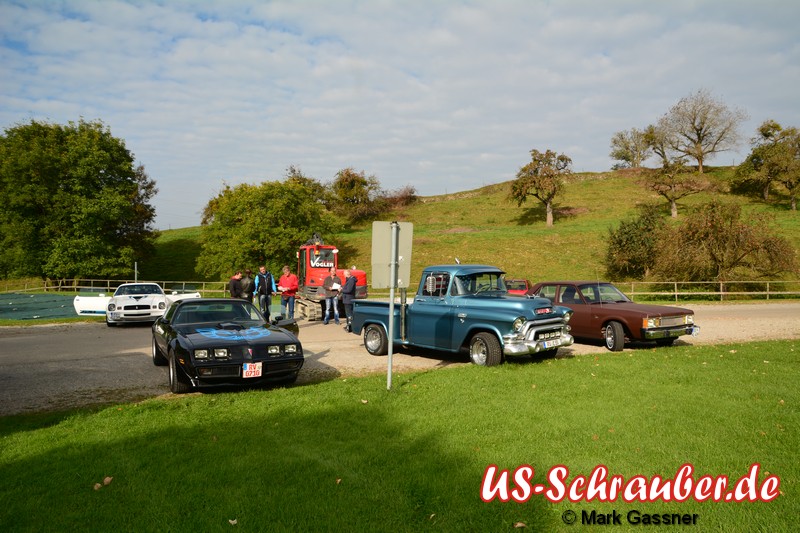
(636, 290)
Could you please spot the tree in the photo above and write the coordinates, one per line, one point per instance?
(543, 178)
(775, 158)
(319, 192)
(656, 139)
(249, 225)
(700, 126)
(633, 246)
(357, 197)
(716, 243)
(74, 204)
(631, 147)
(674, 182)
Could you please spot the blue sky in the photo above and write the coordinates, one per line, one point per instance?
(445, 96)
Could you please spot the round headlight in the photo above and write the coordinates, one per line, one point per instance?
(112, 307)
(161, 305)
(518, 323)
(567, 316)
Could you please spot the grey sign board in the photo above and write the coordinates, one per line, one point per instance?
(382, 259)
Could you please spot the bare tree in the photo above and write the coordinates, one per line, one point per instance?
(631, 147)
(542, 178)
(700, 126)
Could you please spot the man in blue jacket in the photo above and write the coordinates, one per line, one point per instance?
(265, 288)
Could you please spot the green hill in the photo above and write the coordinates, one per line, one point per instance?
(484, 226)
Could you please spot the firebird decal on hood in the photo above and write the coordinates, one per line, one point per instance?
(234, 335)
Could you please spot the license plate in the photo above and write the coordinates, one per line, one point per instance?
(552, 344)
(251, 370)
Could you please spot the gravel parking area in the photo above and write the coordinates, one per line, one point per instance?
(58, 367)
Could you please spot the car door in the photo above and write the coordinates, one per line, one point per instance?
(430, 321)
(568, 295)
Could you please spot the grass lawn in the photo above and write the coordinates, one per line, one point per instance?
(349, 455)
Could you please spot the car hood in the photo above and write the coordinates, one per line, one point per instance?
(232, 334)
(138, 298)
(646, 309)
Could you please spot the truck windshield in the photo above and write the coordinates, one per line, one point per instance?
(478, 284)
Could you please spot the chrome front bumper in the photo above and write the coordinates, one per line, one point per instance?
(534, 338)
(666, 333)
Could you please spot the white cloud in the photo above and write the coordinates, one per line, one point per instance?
(442, 95)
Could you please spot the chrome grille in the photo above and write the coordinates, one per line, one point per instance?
(669, 321)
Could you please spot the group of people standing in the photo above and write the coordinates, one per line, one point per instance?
(333, 287)
(244, 285)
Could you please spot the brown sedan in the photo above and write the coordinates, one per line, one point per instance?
(602, 312)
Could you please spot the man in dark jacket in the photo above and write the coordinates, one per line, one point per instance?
(235, 285)
(248, 285)
(348, 294)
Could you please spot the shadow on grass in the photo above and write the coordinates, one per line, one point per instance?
(319, 466)
(537, 214)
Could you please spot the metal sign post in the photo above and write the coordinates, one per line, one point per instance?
(393, 273)
(395, 228)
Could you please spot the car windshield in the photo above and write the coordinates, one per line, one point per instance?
(128, 290)
(602, 293)
(218, 312)
(478, 283)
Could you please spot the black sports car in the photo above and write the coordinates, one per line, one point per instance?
(224, 341)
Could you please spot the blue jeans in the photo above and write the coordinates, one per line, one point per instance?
(331, 302)
(288, 301)
(264, 303)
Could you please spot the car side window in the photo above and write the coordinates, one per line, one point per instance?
(569, 295)
(547, 291)
(590, 293)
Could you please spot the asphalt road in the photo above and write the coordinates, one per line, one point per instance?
(63, 366)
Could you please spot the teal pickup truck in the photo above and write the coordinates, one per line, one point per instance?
(466, 308)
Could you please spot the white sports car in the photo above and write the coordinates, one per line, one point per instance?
(132, 302)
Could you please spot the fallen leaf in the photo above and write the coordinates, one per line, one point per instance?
(520, 525)
(338, 480)
(98, 486)
(232, 522)
(364, 401)
(107, 480)
(431, 516)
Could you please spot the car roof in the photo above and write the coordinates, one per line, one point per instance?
(465, 269)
